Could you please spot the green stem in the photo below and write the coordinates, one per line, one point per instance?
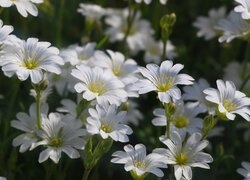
(1, 10)
(164, 54)
(86, 173)
(167, 119)
(59, 24)
(205, 134)
(38, 99)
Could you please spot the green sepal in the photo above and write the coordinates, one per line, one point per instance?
(83, 104)
(137, 177)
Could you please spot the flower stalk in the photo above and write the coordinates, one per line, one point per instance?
(170, 109)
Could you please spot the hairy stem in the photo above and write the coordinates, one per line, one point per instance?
(164, 53)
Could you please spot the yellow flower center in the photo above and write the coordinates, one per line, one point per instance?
(131, 31)
(84, 57)
(117, 71)
(180, 121)
(56, 142)
(106, 128)
(140, 164)
(97, 87)
(30, 63)
(181, 158)
(229, 105)
(164, 83)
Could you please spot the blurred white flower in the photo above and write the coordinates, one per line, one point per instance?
(27, 124)
(206, 25)
(185, 156)
(3, 178)
(105, 120)
(184, 121)
(91, 11)
(5, 30)
(216, 131)
(245, 128)
(245, 171)
(60, 134)
(154, 49)
(98, 84)
(78, 54)
(23, 6)
(139, 31)
(30, 58)
(133, 114)
(137, 161)
(243, 8)
(233, 72)
(196, 95)
(233, 27)
(44, 94)
(229, 100)
(163, 80)
(149, 1)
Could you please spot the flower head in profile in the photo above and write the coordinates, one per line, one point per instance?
(60, 134)
(195, 94)
(139, 30)
(5, 30)
(23, 6)
(28, 124)
(243, 8)
(91, 11)
(206, 25)
(184, 121)
(229, 100)
(245, 171)
(106, 121)
(233, 27)
(98, 84)
(163, 80)
(184, 156)
(31, 58)
(153, 50)
(138, 162)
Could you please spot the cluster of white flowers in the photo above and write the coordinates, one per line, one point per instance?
(234, 26)
(103, 81)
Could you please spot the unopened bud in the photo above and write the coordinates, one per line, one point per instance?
(208, 123)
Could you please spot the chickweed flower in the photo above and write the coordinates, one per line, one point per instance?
(105, 120)
(31, 58)
(163, 80)
(183, 157)
(206, 25)
(245, 171)
(5, 30)
(136, 160)
(60, 134)
(98, 84)
(23, 6)
(28, 124)
(243, 8)
(91, 11)
(229, 101)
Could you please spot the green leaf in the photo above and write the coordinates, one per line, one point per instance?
(102, 42)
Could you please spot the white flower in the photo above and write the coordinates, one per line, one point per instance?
(233, 72)
(105, 120)
(123, 69)
(5, 30)
(243, 8)
(136, 160)
(139, 31)
(229, 100)
(196, 95)
(183, 157)
(206, 25)
(233, 27)
(2, 178)
(78, 54)
(184, 121)
(60, 134)
(29, 58)
(216, 131)
(27, 124)
(100, 85)
(149, 1)
(245, 171)
(163, 80)
(23, 6)
(133, 114)
(92, 12)
(154, 49)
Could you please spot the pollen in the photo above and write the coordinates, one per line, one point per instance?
(97, 87)
(56, 142)
(106, 128)
(229, 105)
(164, 83)
(30, 63)
(140, 164)
(181, 158)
